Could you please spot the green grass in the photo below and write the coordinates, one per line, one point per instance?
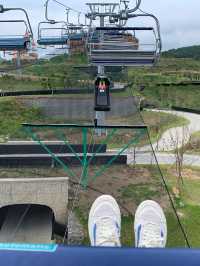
(168, 71)
(183, 96)
(10, 83)
(139, 192)
(191, 224)
(12, 114)
(175, 236)
(59, 73)
(189, 214)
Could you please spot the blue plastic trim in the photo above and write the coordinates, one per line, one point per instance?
(76, 256)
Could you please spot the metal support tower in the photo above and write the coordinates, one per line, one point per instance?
(101, 11)
(101, 116)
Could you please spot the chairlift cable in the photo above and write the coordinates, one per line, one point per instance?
(166, 186)
(67, 7)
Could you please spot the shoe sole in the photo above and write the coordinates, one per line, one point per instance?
(154, 205)
(99, 201)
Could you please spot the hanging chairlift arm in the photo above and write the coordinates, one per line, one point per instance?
(59, 3)
(136, 7)
(105, 53)
(49, 28)
(157, 33)
(46, 12)
(2, 10)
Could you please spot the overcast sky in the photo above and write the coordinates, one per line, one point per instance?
(179, 19)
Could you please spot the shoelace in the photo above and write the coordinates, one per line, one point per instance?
(107, 232)
(151, 237)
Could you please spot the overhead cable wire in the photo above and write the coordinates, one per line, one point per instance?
(166, 186)
(68, 7)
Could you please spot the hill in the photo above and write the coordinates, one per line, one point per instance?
(184, 52)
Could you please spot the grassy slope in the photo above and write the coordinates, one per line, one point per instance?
(189, 214)
(13, 113)
(184, 52)
(58, 73)
(55, 73)
(168, 71)
(190, 207)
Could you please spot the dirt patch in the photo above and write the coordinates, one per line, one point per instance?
(128, 185)
(187, 173)
(191, 174)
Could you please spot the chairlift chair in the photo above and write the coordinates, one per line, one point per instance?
(17, 42)
(118, 46)
(77, 39)
(48, 40)
(76, 33)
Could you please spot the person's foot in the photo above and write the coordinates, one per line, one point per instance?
(150, 226)
(104, 223)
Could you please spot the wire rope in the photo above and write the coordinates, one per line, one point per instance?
(166, 186)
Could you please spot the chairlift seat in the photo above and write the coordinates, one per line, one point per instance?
(118, 47)
(76, 36)
(14, 43)
(62, 40)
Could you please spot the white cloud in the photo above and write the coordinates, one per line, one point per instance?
(179, 19)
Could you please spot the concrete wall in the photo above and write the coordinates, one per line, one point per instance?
(81, 109)
(51, 192)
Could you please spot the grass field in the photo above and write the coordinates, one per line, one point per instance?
(135, 195)
(189, 212)
(59, 72)
(13, 113)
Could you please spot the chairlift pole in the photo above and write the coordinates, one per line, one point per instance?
(101, 116)
(18, 63)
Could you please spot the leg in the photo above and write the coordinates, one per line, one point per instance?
(150, 226)
(104, 223)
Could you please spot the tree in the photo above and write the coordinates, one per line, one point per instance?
(179, 140)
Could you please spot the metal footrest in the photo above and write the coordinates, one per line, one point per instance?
(125, 57)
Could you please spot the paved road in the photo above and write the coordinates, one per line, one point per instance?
(27, 225)
(179, 136)
(163, 159)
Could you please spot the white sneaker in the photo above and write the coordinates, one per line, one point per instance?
(150, 226)
(104, 223)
